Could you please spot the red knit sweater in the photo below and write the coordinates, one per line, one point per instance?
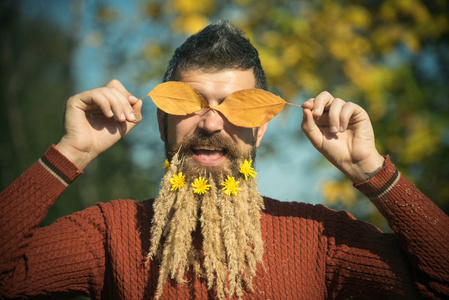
(311, 252)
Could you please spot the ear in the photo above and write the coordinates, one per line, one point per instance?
(260, 133)
(161, 120)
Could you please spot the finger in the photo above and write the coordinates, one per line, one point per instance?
(310, 128)
(127, 126)
(117, 102)
(123, 105)
(132, 100)
(116, 84)
(321, 103)
(137, 111)
(348, 110)
(308, 104)
(94, 99)
(334, 114)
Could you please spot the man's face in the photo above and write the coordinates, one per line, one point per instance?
(216, 133)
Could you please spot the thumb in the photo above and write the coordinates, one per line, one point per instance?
(137, 111)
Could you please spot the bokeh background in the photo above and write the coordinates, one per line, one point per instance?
(389, 56)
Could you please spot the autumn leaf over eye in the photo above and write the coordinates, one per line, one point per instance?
(251, 107)
(245, 108)
(177, 98)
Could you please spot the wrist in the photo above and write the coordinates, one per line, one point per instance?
(366, 169)
(78, 157)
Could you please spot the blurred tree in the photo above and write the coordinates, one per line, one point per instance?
(36, 79)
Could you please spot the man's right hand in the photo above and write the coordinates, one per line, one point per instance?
(97, 119)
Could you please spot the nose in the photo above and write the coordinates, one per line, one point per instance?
(211, 122)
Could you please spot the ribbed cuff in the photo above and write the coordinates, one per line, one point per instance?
(59, 166)
(381, 182)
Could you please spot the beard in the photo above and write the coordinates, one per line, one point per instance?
(216, 235)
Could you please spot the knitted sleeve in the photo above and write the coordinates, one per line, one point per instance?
(413, 261)
(65, 258)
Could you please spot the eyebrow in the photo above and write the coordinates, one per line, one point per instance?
(205, 98)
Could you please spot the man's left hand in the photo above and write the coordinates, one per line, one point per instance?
(343, 133)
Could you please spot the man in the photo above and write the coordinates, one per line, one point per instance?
(209, 234)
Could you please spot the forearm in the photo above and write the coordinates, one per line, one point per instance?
(25, 202)
(421, 227)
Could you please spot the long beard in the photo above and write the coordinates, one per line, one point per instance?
(228, 226)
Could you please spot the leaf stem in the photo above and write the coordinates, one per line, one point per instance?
(293, 104)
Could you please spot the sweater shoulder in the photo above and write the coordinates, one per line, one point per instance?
(275, 208)
(333, 222)
(127, 208)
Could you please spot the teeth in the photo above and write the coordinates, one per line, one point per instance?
(207, 147)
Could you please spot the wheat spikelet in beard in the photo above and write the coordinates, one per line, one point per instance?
(214, 252)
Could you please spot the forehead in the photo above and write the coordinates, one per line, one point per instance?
(218, 83)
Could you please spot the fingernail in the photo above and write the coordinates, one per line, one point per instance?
(342, 129)
(334, 129)
(122, 116)
(132, 117)
(132, 98)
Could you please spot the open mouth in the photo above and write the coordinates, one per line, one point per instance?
(209, 155)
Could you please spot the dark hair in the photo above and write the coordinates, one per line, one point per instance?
(217, 47)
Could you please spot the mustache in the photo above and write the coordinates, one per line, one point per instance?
(227, 145)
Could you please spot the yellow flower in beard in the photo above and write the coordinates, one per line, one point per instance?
(166, 165)
(200, 186)
(247, 170)
(177, 181)
(230, 186)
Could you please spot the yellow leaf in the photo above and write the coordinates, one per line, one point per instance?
(177, 98)
(245, 108)
(251, 107)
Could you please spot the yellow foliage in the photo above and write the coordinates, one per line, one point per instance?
(436, 27)
(385, 37)
(339, 191)
(358, 16)
(412, 41)
(340, 49)
(421, 143)
(272, 65)
(395, 143)
(373, 80)
(387, 12)
(291, 54)
(186, 7)
(310, 81)
(414, 8)
(352, 47)
(271, 39)
(191, 23)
